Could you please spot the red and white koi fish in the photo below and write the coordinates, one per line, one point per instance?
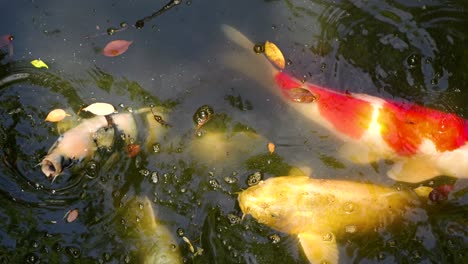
(423, 142)
(82, 141)
(320, 211)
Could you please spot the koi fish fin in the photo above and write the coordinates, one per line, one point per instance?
(317, 249)
(300, 171)
(71, 121)
(246, 61)
(155, 242)
(423, 191)
(413, 170)
(360, 153)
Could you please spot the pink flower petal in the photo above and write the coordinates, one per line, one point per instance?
(72, 215)
(116, 47)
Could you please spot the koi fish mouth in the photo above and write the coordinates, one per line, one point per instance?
(53, 165)
(50, 167)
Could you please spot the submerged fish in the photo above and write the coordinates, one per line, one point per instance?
(423, 142)
(82, 141)
(318, 211)
(154, 241)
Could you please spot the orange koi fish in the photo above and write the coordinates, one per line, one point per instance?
(423, 142)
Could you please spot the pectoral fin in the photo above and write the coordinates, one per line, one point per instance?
(360, 153)
(319, 248)
(414, 170)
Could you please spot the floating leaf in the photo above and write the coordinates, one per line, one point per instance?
(271, 147)
(116, 48)
(133, 150)
(274, 54)
(39, 64)
(300, 95)
(56, 115)
(100, 108)
(71, 215)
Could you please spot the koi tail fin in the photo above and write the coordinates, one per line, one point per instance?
(245, 60)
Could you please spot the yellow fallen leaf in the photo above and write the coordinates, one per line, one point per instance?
(274, 54)
(39, 64)
(271, 147)
(100, 108)
(56, 115)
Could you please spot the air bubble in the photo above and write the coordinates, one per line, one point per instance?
(275, 239)
(154, 177)
(348, 207)
(254, 179)
(233, 219)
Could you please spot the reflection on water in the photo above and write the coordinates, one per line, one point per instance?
(414, 51)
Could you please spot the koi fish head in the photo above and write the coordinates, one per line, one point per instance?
(66, 151)
(83, 140)
(52, 165)
(270, 203)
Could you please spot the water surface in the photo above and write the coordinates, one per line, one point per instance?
(414, 52)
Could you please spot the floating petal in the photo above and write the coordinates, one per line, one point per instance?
(56, 115)
(100, 108)
(116, 48)
(71, 215)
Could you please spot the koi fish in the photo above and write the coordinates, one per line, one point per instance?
(318, 211)
(155, 242)
(423, 143)
(82, 141)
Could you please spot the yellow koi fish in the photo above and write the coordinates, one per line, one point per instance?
(155, 242)
(318, 210)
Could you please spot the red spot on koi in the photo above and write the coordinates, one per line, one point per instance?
(349, 115)
(405, 126)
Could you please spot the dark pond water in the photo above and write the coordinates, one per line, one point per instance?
(406, 50)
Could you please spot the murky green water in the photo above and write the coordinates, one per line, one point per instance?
(414, 51)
